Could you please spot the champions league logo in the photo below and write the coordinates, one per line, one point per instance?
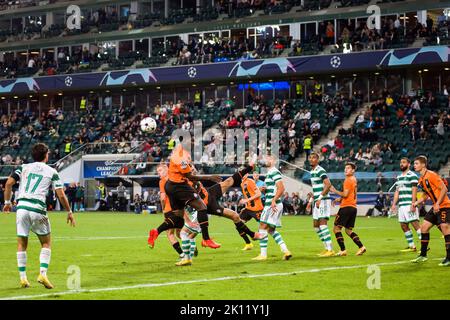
(68, 81)
(335, 62)
(192, 72)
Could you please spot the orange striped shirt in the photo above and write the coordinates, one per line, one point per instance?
(350, 184)
(430, 183)
(249, 189)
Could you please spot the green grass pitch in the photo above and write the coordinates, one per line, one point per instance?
(115, 262)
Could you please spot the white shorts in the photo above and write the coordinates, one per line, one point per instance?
(29, 220)
(270, 218)
(323, 211)
(406, 216)
(194, 226)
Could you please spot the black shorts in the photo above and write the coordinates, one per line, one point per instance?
(214, 195)
(346, 217)
(247, 215)
(443, 216)
(180, 194)
(177, 221)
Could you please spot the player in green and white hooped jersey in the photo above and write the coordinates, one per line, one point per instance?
(273, 209)
(321, 203)
(35, 180)
(405, 195)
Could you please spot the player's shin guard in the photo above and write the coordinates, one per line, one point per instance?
(242, 228)
(409, 238)
(192, 249)
(279, 240)
(356, 240)
(263, 242)
(185, 244)
(176, 246)
(326, 237)
(419, 234)
(447, 245)
(22, 264)
(44, 259)
(202, 217)
(340, 240)
(166, 225)
(319, 234)
(237, 176)
(425, 239)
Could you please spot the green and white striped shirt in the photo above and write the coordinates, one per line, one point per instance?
(405, 183)
(272, 177)
(317, 177)
(35, 181)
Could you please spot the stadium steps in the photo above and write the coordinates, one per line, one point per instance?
(445, 170)
(346, 123)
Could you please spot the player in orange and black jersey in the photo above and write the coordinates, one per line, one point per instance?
(171, 223)
(181, 194)
(346, 215)
(252, 200)
(212, 195)
(434, 188)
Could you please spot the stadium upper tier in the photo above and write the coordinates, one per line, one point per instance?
(118, 34)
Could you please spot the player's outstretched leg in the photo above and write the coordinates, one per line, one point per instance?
(171, 221)
(279, 240)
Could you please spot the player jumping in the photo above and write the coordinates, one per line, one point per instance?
(253, 204)
(273, 210)
(406, 196)
(435, 189)
(35, 180)
(321, 203)
(171, 223)
(346, 215)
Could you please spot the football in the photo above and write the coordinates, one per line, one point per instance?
(148, 124)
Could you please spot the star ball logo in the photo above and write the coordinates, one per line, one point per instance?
(335, 62)
(192, 72)
(68, 81)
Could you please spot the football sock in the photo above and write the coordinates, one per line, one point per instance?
(319, 233)
(279, 240)
(447, 245)
(237, 176)
(185, 244)
(356, 240)
(419, 233)
(202, 217)
(326, 237)
(177, 247)
(22, 264)
(409, 238)
(263, 243)
(192, 249)
(44, 259)
(424, 244)
(166, 225)
(340, 240)
(242, 228)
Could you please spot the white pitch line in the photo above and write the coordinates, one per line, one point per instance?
(13, 239)
(165, 284)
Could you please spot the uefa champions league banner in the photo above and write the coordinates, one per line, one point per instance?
(101, 168)
(232, 70)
